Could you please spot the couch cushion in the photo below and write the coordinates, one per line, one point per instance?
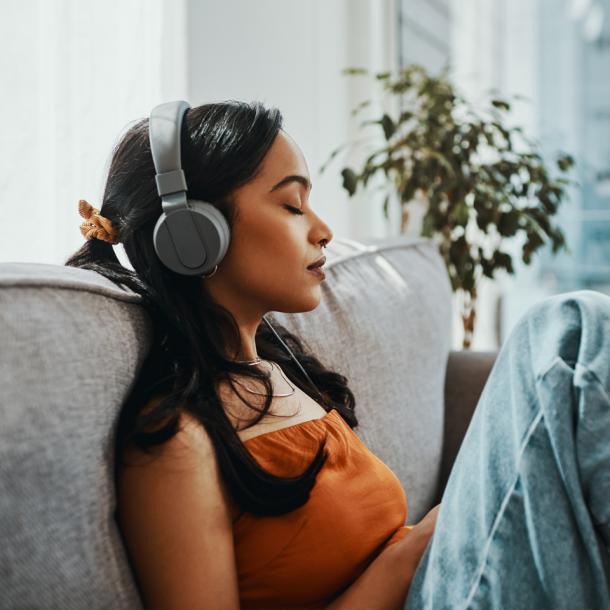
(72, 344)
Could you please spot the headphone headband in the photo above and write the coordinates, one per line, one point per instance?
(165, 127)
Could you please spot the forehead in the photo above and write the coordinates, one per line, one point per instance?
(282, 159)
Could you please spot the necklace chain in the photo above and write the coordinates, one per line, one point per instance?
(257, 361)
(250, 362)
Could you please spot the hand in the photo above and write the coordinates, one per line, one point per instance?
(414, 544)
(427, 525)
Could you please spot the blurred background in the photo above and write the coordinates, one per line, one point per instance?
(76, 74)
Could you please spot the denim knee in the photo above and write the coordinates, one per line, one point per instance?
(573, 325)
(589, 302)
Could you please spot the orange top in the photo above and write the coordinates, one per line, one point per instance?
(306, 558)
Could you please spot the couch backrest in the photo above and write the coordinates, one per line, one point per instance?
(71, 345)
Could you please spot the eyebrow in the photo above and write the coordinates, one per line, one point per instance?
(292, 178)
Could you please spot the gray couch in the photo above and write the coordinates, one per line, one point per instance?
(72, 343)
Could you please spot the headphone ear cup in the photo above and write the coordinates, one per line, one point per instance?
(198, 239)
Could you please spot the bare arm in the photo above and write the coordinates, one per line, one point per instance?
(175, 518)
(384, 585)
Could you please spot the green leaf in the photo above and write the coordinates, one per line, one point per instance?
(350, 180)
(372, 156)
(501, 104)
(354, 71)
(546, 201)
(388, 126)
(383, 75)
(508, 223)
(428, 227)
(468, 280)
(405, 116)
(504, 260)
(565, 162)
(484, 212)
(386, 203)
(408, 190)
(486, 264)
(559, 241)
(370, 122)
(461, 213)
(333, 154)
(360, 106)
(534, 242)
(367, 173)
(458, 251)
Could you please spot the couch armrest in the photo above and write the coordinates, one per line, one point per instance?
(466, 375)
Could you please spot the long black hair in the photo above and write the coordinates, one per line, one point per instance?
(222, 148)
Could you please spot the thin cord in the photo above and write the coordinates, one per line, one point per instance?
(292, 355)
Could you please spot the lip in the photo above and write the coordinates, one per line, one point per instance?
(318, 272)
(321, 261)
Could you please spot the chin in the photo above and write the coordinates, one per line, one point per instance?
(303, 305)
(313, 306)
(315, 296)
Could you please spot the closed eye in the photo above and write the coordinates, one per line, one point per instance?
(293, 210)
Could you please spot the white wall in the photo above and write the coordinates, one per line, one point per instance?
(74, 75)
(289, 54)
(425, 33)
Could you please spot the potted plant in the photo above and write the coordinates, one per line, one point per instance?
(479, 177)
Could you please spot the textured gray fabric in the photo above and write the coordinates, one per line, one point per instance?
(61, 394)
(72, 344)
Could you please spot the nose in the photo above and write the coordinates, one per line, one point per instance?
(319, 233)
(326, 235)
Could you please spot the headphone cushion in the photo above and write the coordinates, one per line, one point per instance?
(204, 238)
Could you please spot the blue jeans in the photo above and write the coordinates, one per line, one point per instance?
(524, 521)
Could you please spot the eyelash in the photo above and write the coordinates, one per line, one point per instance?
(293, 210)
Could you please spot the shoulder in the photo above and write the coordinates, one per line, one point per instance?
(190, 453)
(190, 441)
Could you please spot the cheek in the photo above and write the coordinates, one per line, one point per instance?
(265, 239)
(267, 258)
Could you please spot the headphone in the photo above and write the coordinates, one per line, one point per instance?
(191, 237)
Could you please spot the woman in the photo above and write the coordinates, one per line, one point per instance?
(233, 483)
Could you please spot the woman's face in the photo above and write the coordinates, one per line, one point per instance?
(265, 266)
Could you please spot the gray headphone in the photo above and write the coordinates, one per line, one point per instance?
(191, 236)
